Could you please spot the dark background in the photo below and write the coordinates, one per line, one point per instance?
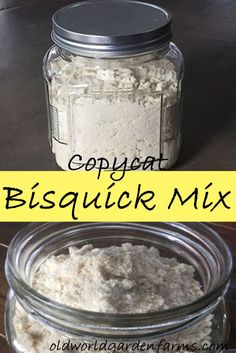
(8, 230)
(205, 31)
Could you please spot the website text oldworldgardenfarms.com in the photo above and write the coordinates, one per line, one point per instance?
(113, 347)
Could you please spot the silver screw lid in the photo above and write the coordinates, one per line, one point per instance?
(111, 27)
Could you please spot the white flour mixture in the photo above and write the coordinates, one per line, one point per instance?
(128, 110)
(126, 279)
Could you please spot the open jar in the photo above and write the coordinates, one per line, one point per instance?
(113, 84)
(36, 324)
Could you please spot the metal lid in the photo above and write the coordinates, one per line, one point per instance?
(111, 27)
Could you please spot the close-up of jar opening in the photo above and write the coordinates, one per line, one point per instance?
(126, 281)
(113, 89)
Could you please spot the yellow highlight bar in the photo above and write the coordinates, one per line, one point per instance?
(139, 196)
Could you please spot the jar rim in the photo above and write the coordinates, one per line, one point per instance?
(151, 321)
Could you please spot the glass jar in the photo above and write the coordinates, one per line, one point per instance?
(36, 324)
(113, 86)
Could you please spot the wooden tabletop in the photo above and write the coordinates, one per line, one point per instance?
(8, 230)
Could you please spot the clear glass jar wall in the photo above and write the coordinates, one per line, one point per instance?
(124, 104)
(36, 324)
(124, 107)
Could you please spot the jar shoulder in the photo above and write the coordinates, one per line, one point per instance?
(175, 56)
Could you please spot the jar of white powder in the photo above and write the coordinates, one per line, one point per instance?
(113, 84)
(117, 284)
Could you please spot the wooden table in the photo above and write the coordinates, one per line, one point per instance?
(7, 231)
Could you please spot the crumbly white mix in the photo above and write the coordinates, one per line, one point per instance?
(114, 111)
(126, 279)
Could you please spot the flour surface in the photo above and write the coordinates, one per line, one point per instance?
(125, 279)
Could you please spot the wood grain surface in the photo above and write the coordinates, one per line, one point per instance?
(8, 230)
